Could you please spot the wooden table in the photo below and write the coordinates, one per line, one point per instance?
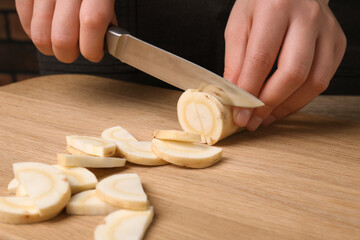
(297, 179)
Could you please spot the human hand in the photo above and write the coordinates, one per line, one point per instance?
(309, 44)
(65, 28)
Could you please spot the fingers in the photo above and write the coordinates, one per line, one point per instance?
(94, 20)
(322, 70)
(294, 65)
(65, 30)
(40, 28)
(236, 37)
(268, 29)
(24, 9)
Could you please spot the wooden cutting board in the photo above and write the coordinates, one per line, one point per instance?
(297, 179)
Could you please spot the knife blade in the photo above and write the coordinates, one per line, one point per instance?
(174, 70)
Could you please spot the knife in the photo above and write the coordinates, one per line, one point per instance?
(174, 70)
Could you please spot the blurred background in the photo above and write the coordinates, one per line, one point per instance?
(18, 60)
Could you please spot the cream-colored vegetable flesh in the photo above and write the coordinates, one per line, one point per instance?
(202, 113)
(68, 160)
(123, 190)
(117, 134)
(80, 179)
(192, 155)
(92, 145)
(176, 135)
(86, 203)
(47, 186)
(124, 224)
(139, 153)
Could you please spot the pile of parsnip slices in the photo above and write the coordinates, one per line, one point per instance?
(40, 191)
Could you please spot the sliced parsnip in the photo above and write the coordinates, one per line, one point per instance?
(75, 151)
(92, 145)
(21, 191)
(15, 188)
(139, 152)
(123, 190)
(202, 113)
(176, 135)
(19, 210)
(117, 134)
(68, 160)
(46, 186)
(124, 224)
(86, 203)
(80, 178)
(190, 155)
(12, 186)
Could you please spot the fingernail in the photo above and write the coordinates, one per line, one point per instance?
(242, 117)
(269, 120)
(254, 123)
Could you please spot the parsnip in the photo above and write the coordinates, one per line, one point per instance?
(139, 152)
(19, 210)
(86, 203)
(123, 190)
(12, 186)
(176, 135)
(92, 145)
(124, 224)
(80, 179)
(75, 151)
(202, 113)
(117, 134)
(68, 160)
(46, 186)
(190, 155)
(21, 191)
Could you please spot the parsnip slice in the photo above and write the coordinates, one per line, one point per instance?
(202, 113)
(117, 134)
(15, 188)
(21, 191)
(176, 135)
(139, 152)
(47, 186)
(67, 160)
(86, 203)
(19, 210)
(190, 155)
(125, 224)
(92, 145)
(80, 178)
(123, 190)
(75, 151)
(12, 186)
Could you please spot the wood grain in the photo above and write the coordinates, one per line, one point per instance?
(297, 179)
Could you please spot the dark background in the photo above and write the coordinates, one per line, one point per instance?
(188, 28)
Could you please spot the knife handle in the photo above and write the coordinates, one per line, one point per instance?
(113, 34)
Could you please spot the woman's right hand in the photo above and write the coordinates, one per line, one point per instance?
(65, 28)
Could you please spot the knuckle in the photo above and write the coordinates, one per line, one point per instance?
(259, 58)
(297, 74)
(236, 34)
(40, 40)
(320, 84)
(313, 9)
(94, 20)
(280, 5)
(343, 40)
(63, 41)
